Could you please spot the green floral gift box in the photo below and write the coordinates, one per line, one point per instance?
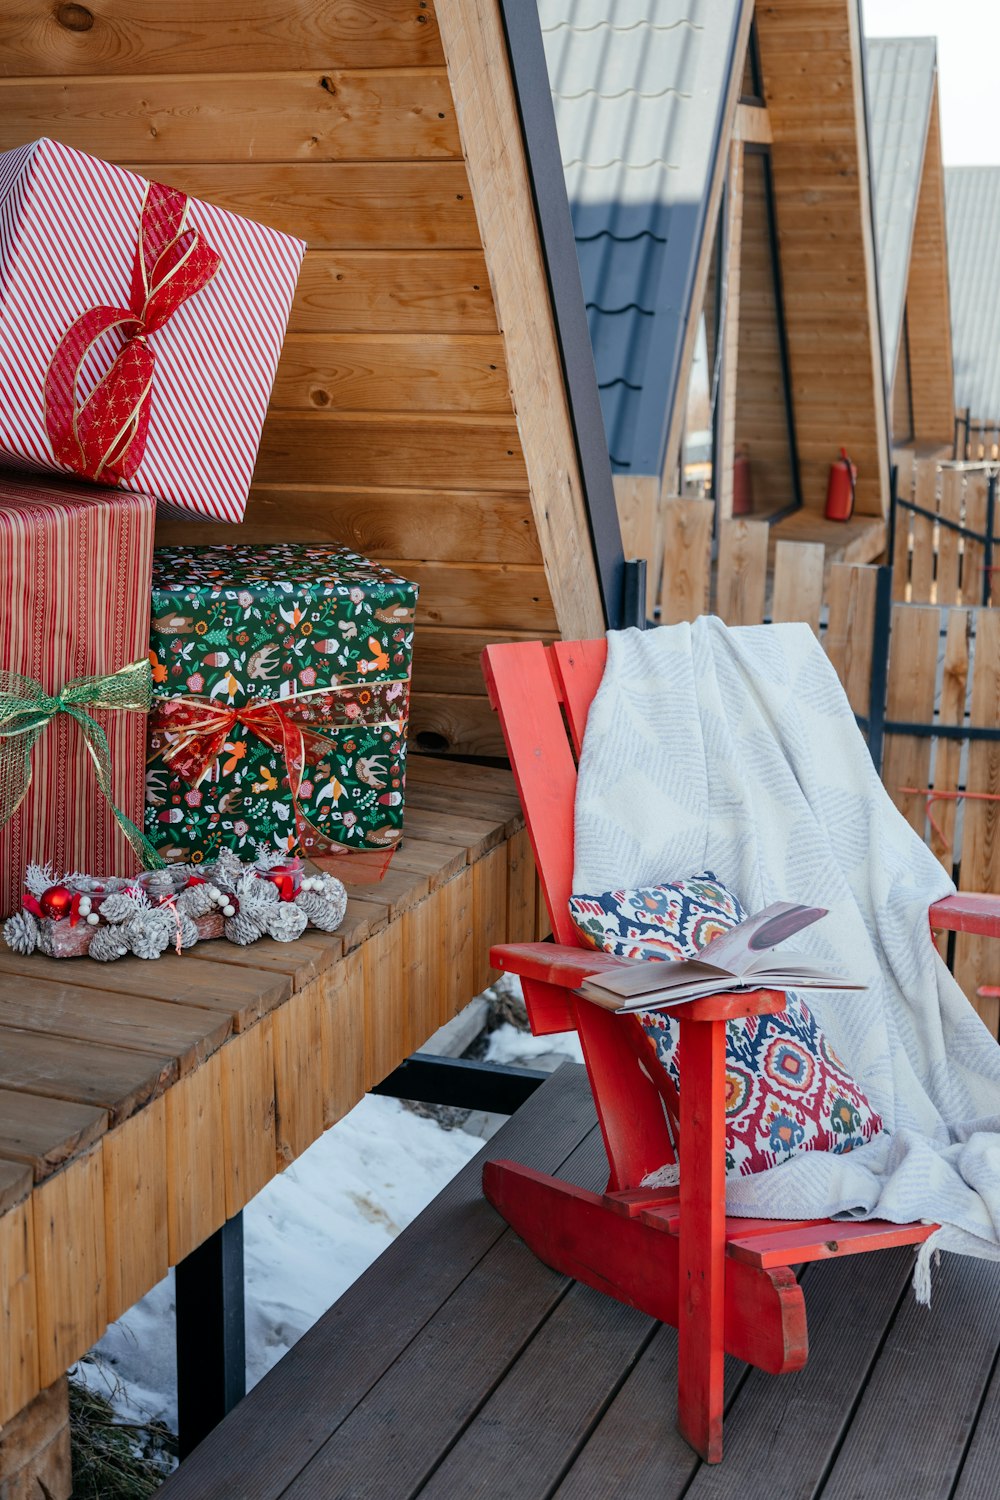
(282, 679)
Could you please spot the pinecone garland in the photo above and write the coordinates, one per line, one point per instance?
(21, 932)
(160, 883)
(228, 867)
(107, 944)
(189, 930)
(285, 922)
(245, 928)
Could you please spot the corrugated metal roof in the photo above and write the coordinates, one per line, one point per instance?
(900, 75)
(638, 103)
(972, 195)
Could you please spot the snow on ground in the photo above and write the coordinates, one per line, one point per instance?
(310, 1233)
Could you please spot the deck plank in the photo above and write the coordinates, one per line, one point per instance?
(111, 1078)
(267, 1441)
(935, 1367)
(458, 1357)
(44, 1133)
(132, 1021)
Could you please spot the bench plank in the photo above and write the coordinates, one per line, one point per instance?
(113, 1078)
(44, 1133)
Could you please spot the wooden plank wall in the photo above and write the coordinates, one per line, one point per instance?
(933, 564)
(811, 62)
(392, 427)
(928, 301)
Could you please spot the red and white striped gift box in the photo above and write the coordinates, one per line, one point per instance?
(69, 230)
(75, 567)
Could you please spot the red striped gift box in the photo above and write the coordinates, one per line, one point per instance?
(75, 576)
(203, 345)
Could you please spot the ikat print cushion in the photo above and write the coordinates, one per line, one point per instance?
(786, 1089)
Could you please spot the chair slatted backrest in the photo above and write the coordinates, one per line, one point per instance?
(529, 686)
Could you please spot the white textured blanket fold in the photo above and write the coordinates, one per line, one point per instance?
(736, 751)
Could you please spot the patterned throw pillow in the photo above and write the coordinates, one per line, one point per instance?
(786, 1089)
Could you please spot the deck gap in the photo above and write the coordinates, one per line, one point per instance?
(974, 1424)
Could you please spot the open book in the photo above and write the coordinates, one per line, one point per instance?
(741, 959)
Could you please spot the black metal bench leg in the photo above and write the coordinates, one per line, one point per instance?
(211, 1334)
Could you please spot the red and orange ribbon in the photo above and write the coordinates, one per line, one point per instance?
(104, 436)
(297, 728)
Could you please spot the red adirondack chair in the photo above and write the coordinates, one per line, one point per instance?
(726, 1284)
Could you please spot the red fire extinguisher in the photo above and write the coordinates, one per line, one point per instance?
(841, 488)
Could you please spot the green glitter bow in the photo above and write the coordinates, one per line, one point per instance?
(26, 710)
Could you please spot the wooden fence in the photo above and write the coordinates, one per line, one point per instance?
(944, 513)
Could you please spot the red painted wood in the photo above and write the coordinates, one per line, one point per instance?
(629, 1107)
(579, 667)
(968, 911)
(521, 688)
(555, 963)
(795, 1246)
(635, 1201)
(573, 1231)
(549, 1007)
(702, 1269)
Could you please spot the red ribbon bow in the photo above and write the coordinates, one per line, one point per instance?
(104, 437)
(198, 730)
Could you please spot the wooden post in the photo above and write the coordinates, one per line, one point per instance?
(34, 1448)
(687, 558)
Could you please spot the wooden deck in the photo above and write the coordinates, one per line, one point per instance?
(459, 1366)
(143, 1104)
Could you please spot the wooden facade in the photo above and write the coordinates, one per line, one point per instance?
(419, 413)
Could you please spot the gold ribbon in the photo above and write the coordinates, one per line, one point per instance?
(26, 711)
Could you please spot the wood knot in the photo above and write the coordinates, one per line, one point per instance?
(74, 17)
(328, 84)
(427, 739)
(320, 398)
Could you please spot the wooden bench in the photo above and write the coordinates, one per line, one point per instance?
(458, 1365)
(142, 1105)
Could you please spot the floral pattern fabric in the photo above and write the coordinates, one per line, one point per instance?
(238, 625)
(786, 1089)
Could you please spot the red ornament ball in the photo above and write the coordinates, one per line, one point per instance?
(56, 901)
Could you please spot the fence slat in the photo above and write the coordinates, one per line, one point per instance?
(798, 582)
(922, 555)
(850, 629)
(973, 553)
(948, 753)
(952, 484)
(901, 548)
(741, 579)
(910, 698)
(687, 558)
(977, 961)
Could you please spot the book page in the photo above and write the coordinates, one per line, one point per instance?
(736, 950)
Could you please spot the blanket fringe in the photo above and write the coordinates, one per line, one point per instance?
(663, 1177)
(929, 1250)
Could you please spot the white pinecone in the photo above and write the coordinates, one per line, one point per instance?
(228, 868)
(260, 892)
(21, 932)
(147, 934)
(195, 901)
(159, 883)
(321, 912)
(119, 907)
(285, 921)
(245, 928)
(107, 944)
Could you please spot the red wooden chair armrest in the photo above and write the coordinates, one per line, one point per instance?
(968, 912)
(566, 968)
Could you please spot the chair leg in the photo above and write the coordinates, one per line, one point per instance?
(701, 1291)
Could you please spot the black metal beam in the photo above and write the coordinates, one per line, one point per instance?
(461, 1083)
(211, 1334)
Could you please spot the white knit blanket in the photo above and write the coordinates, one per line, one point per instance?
(735, 750)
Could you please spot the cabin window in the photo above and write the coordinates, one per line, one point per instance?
(766, 472)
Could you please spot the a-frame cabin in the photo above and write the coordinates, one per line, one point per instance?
(717, 162)
(912, 240)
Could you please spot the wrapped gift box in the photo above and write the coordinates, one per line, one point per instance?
(139, 329)
(75, 563)
(281, 682)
